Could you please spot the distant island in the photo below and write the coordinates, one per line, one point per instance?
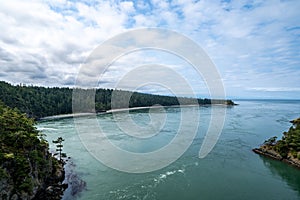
(38, 102)
(287, 149)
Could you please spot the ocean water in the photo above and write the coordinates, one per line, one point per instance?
(230, 171)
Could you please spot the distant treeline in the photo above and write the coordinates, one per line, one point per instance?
(39, 102)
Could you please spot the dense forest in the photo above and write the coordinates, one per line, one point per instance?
(39, 102)
(26, 166)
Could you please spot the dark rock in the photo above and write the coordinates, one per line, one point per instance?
(270, 154)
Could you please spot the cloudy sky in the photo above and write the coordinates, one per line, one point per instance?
(255, 45)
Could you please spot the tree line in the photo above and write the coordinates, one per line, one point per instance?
(38, 102)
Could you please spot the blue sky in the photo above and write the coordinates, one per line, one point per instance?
(254, 44)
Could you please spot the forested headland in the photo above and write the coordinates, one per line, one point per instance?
(27, 169)
(287, 148)
(38, 102)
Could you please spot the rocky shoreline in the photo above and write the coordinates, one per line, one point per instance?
(50, 186)
(287, 149)
(75, 184)
(54, 186)
(274, 155)
(64, 182)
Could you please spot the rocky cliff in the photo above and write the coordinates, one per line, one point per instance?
(27, 169)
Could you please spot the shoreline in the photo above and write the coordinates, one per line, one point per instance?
(147, 107)
(276, 156)
(64, 116)
(72, 115)
(54, 186)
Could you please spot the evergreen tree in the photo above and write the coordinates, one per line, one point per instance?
(59, 147)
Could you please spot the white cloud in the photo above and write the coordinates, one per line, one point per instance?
(127, 7)
(275, 89)
(255, 44)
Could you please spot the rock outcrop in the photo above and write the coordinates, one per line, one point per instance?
(27, 169)
(287, 149)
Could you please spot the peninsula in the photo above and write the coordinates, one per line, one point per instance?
(287, 149)
(39, 102)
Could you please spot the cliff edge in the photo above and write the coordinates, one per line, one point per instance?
(27, 169)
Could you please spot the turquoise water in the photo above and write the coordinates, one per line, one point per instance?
(230, 171)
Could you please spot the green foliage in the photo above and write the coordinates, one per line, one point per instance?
(22, 154)
(270, 141)
(8, 155)
(294, 154)
(282, 148)
(290, 142)
(39, 102)
(35, 101)
(27, 185)
(3, 173)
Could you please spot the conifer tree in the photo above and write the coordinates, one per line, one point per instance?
(59, 146)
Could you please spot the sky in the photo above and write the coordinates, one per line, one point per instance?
(255, 45)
